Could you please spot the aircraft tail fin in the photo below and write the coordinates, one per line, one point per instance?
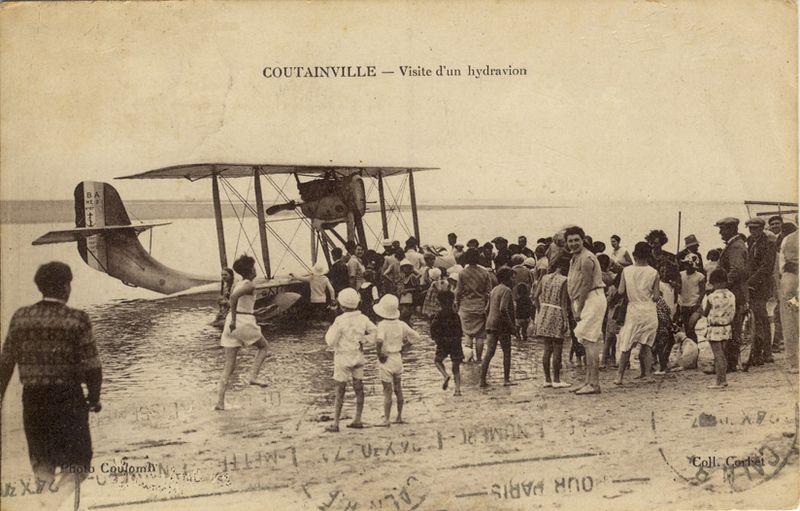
(109, 243)
(97, 206)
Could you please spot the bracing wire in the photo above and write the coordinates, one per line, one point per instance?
(240, 220)
(290, 242)
(271, 230)
(396, 211)
(241, 228)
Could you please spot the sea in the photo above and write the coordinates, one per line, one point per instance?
(152, 347)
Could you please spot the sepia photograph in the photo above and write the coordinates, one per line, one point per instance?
(400, 255)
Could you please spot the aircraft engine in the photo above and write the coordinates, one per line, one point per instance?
(331, 200)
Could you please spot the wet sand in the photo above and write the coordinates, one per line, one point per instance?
(519, 447)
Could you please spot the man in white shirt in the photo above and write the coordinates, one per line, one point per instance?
(693, 288)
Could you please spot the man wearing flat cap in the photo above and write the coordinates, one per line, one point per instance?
(733, 260)
(760, 284)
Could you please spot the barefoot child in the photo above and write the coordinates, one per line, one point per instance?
(499, 325)
(347, 336)
(552, 320)
(446, 333)
(522, 310)
(391, 336)
(719, 307)
(246, 332)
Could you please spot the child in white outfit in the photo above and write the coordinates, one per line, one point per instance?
(347, 336)
(391, 336)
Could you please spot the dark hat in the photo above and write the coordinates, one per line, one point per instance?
(755, 222)
(728, 220)
(501, 240)
(690, 240)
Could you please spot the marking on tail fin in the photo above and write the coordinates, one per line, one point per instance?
(95, 216)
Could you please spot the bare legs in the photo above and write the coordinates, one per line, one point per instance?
(505, 344)
(720, 362)
(552, 350)
(645, 361)
(358, 387)
(387, 401)
(457, 378)
(593, 350)
(230, 366)
(227, 371)
(478, 348)
(337, 406)
(259, 361)
(397, 385)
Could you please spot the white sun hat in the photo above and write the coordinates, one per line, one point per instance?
(388, 307)
(349, 298)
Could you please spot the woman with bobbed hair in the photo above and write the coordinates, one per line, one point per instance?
(241, 328)
(587, 293)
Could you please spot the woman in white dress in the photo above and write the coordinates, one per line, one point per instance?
(640, 283)
(241, 328)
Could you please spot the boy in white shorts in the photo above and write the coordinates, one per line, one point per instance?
(347, 336)
(392, 333)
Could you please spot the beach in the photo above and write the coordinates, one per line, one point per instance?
(158, 443)
(519, 447)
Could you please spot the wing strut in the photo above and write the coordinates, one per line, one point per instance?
(413, 205)
(382, 198)
(262, 226)
(223, 258)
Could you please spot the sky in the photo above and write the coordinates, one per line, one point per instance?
(620, 101)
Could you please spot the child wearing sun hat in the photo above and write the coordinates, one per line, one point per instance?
(391, 336)
(347, 336)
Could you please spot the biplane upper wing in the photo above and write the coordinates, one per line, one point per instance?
(85, 232)
(196, 171)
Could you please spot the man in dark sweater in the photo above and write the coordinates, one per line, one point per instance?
(760, 285)
(56, 353)
(733, 260)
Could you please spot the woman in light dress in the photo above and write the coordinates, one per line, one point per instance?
(640, 284)
(472, 296)
(241, 328)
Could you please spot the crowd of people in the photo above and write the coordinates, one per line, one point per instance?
(568, 289)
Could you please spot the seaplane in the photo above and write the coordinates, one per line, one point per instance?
(329, 197)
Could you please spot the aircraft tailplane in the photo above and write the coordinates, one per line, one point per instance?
(107, 244)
